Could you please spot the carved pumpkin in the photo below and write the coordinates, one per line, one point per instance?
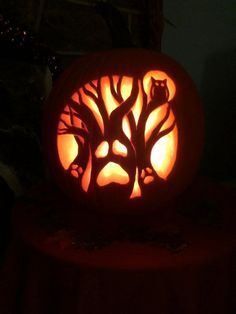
(123, 130)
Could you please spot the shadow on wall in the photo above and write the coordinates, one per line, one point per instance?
(219, 96)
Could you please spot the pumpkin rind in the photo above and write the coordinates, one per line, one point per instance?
(118, 138)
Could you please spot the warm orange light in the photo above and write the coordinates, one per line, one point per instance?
(126, 127)
(154, 118)
(119, 149)
(136, 189)
(110, 103)
(159, 126)
(102, 150)
(67, 149)
(158, 75)
(138, 105)
(126, 87)
(148, 179)
(87, 175)
(163, 154)
(92, 106)
(112, 173)
(66, 144)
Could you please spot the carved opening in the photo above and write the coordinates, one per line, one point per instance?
(119, 130)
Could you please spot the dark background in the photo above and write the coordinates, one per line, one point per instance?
(203, 40)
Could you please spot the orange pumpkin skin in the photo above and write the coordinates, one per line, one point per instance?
(123, 131)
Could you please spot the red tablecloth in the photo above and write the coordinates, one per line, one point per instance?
(43, 273)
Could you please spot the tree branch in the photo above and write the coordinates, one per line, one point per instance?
(119, 86)
(73, 130)
(86, 116)
(101, 105)
(90, 94)
(93, 86)
(118, 114)
(156, 136)
(115, 94)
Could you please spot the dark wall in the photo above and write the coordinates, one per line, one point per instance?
(218, 93)
(203, 40)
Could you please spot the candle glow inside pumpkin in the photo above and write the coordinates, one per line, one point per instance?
(117, 120)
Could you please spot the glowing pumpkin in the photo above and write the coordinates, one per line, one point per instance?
(123, 130)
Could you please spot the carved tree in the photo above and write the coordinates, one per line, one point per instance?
(108, 130)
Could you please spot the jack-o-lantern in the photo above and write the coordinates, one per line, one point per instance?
(123, 130)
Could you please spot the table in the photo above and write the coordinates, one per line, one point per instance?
(46, 272)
